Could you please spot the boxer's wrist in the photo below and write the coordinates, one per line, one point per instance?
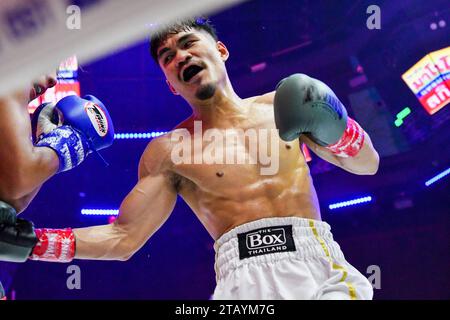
(54, 245)
(351, 141)
(69, 144)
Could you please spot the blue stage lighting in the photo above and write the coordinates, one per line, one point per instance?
(350, 202)
(437, 177)
(100, 212)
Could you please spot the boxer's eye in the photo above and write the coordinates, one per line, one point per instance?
(168, 58)
(188, 44)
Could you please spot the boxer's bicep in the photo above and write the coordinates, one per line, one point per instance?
(141, 213)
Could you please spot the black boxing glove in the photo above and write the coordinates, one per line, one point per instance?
(17, 236)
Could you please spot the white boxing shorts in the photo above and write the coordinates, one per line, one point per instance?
(285, 258)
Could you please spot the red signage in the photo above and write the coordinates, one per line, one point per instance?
(429, 79)
(67, 85)
(61, 90)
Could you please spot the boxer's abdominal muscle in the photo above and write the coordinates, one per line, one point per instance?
(223, 208)
(224, 196)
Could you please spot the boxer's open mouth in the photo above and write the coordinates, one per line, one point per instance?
(190, 72)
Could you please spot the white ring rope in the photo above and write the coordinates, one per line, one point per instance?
(35, 37)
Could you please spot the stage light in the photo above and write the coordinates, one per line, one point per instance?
(401, 115)
(437, 177)
(348, 203)
(100, 212)
(258, 67)
(138, 135)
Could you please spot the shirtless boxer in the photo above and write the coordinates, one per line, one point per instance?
(270, 241)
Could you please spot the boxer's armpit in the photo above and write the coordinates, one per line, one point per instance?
(175, 181)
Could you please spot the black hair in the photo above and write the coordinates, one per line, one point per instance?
(162, 33)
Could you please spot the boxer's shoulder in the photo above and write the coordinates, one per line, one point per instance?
(156, 156)
(266, 98)
(160, 148)
(260, 106)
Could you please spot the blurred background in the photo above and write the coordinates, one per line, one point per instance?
(402, 226)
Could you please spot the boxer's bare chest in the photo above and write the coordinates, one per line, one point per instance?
(238, 161)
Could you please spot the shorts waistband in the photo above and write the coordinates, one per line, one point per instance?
(312, 239)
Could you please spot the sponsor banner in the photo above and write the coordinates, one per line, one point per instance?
(429, 79)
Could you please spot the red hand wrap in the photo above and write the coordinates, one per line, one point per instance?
(54, 245)
(351, 141)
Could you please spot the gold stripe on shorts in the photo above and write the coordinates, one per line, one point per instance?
(335, 266)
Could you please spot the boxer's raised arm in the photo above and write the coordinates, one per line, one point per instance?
(365, 162)
(308, 109)
(141, 214)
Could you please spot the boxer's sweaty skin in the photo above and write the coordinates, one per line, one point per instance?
(240, 193)
(23, 168)
(226, 195)
(221, 195)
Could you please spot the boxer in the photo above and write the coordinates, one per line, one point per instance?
(270, 240)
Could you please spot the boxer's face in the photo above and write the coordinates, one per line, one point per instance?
(193, 63)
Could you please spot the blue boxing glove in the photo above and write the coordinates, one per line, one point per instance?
(73, 128)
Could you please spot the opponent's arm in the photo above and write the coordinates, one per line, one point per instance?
(23, 167)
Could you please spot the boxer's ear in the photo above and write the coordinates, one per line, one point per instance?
(172, 89)
(223, 51)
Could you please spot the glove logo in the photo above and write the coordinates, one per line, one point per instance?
(97, 117)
